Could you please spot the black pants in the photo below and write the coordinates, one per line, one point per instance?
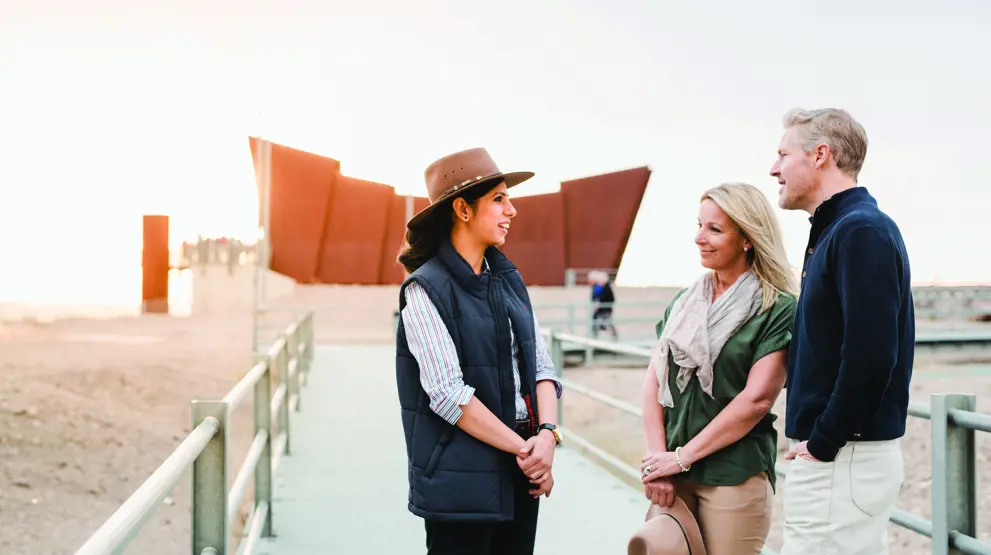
(602, 320)
(514, 537)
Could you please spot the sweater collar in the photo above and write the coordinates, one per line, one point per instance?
(837, 206)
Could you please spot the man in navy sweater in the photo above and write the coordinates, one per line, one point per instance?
(850, 359)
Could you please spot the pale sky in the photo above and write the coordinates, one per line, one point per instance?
(112, 109)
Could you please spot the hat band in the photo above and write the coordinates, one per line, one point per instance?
(475, 179)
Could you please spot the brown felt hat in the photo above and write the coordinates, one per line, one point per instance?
(456, 172)
(668, 531)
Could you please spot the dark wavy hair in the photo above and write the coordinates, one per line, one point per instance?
(420, 244)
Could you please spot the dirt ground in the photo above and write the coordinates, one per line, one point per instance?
(89, 408)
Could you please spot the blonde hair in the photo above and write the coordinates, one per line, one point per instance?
(767, 260)
(846, 138)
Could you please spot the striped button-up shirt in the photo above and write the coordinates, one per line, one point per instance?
(440, 371)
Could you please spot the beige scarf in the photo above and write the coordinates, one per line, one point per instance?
(697, 329)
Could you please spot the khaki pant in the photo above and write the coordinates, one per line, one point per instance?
(734, 520)
(842, 507)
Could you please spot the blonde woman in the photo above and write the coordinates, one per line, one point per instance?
(716, 371)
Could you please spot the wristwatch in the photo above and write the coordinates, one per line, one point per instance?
(554, 430)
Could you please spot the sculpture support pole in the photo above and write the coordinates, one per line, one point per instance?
(155, 265)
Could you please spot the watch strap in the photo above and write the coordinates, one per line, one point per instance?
(552, 428)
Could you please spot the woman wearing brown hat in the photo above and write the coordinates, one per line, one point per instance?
(477, 389)
(716, 371)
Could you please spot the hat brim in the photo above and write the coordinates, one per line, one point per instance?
(671, 530)
(511, 179)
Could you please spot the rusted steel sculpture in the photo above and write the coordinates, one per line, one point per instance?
(330, 228)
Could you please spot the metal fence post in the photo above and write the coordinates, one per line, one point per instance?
(557, 358)
(283, 357)
(954, 473)
(310, 338)
(263, 472)
(591, 331)
(293, 346)
(310, 347)
(209, 499)
(305, 354)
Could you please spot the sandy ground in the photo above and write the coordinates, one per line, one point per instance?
(89, 408)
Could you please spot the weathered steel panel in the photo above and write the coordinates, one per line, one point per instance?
(301, 187)
(155, 264)
(536, 239)
(600, 213)
(353, 235)
(390, 271)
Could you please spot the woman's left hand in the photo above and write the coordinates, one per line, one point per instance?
(658, 465)
(539, 456)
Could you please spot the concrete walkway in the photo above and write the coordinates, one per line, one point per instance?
(343, 490)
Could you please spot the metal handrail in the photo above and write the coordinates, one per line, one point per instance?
(240, 390)
(641, 314)
(970, 420)
(121, 527)
(247, 471)
(921, 295)
(204, 450)
(953, 430)
(618, 348)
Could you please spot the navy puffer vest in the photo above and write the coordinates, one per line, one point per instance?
(452, 475)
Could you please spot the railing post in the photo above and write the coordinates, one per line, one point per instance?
(591, 331)
(303, 355)
(293, 345)
(263, 421)
(557, 358)
(310, 345)
(310, 338)
(308, 362)
(954, 474)
(283, 357)
(209, 499)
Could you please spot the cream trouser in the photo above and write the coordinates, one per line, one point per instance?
(842, 507)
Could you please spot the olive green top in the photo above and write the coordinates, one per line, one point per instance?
(693, 409)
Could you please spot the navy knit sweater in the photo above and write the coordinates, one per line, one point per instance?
(850, 360)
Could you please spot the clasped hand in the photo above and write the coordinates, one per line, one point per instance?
(535, 460)
(658, 465)
(660, 492)
(658, 487)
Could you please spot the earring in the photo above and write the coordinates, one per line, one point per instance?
(745, 249)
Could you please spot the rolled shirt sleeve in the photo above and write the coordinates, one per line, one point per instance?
(545, 364)
(433, 348)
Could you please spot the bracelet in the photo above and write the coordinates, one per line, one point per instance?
(677, 459)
